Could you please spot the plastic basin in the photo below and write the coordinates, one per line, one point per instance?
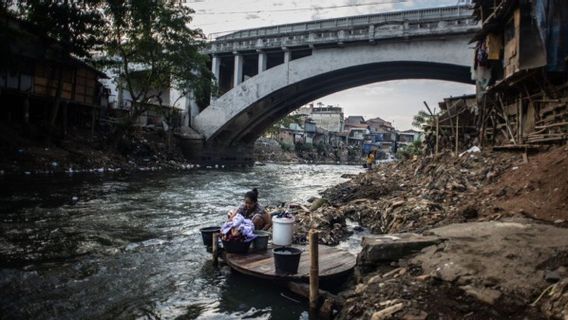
(286, 260)
(207, 235)
(261, 241)
(236, 246)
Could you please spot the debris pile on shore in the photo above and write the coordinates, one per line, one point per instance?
(143, 150)
(495, 257)
(406, 196)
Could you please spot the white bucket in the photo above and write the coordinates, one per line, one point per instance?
(282, 231)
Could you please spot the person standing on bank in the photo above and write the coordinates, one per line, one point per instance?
(370, 160)
(252, 210)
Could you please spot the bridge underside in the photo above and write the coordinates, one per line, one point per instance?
(247, 126)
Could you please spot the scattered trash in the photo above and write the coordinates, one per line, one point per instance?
(470, 150)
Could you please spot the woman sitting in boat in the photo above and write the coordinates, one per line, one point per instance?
(252, 210)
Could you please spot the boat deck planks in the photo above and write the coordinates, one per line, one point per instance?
(333, 262)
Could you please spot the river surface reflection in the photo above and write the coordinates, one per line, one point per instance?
(128, 247)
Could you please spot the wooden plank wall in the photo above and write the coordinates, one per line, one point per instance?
(79, 84)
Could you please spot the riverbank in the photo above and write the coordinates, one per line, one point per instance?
(79, 152)
(420, 195)
(270, 150)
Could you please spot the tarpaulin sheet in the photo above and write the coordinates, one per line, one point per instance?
(552, 20)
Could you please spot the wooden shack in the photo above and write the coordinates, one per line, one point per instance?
(521, 71)
(29, 73)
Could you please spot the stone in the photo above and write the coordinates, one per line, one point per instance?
(415, 315)
(375, 279)
(423, 277)
(360, 288)
(387, 248)
(387, 312)
(317, 204)
(486, 295)
(552, 276)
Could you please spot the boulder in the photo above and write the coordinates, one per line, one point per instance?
(384, 248)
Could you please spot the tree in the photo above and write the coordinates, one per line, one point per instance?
(421, 119)
(150, 46)
(147, 44)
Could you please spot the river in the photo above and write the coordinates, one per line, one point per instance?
(128, 247)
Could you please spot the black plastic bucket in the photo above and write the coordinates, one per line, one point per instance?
(236, 246)
(207, 235)
(286, 259)
(261, 241)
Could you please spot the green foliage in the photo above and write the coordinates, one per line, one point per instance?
(286, 147)
(321, 147)
(407, 152)
(304, 147)
(421, 118)
(78, 26)
(153, 36)
(147, 44)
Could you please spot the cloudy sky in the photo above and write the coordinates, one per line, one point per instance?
(395, 101)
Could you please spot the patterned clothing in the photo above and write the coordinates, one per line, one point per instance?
(249, 214)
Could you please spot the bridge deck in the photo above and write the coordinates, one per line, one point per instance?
(333, 263)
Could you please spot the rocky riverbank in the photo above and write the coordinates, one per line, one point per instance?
(79, 152)
(270, 150)
(499, 220)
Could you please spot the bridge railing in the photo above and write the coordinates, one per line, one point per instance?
(441, 13)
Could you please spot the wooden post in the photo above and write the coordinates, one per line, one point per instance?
(214, 249)
(314, 274)
(457, 132)
(437, 132)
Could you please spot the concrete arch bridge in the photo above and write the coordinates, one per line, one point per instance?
(266, 73)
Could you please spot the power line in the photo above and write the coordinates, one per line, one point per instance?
(306, 8)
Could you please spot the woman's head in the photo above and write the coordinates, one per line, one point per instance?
(251, 198)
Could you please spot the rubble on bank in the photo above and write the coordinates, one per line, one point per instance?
(478, 270)
(418, 194)
(270, 150)
(514, 269)
(143, 150)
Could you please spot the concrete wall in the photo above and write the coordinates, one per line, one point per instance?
(328, 121)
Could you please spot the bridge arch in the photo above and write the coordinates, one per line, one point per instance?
(243, 113)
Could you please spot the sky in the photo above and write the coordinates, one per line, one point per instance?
(395, 101)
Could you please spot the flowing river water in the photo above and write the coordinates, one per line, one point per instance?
(128, 247)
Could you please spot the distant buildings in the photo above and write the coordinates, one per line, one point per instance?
(327, 125)
(329, 118)
(379, 125)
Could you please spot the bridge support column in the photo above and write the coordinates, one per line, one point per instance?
(261, 61)
(238, 75)
(216, 67)
(287, 55)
